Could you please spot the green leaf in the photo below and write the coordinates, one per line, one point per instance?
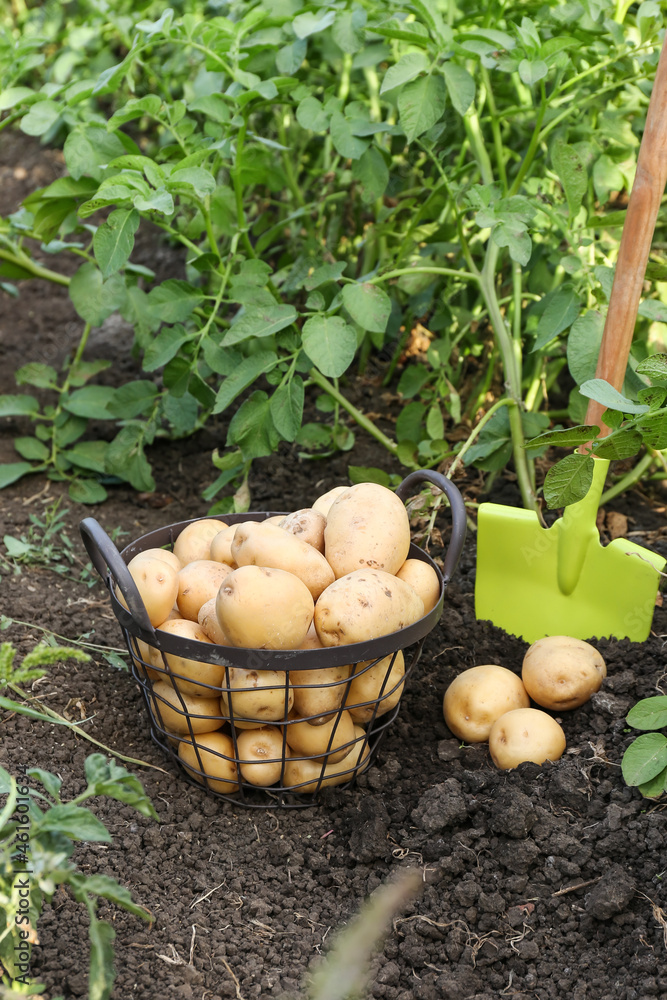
(18, 406)
(181, 412)
(653, 429)
(654, 367)
(366, 474)
(654, 786)
(412, 380)
(583, 345)
(311, 115)
(460, 86)
(248, 371)
(605, 394)
(37, 374)
(11, 472)
(31, 449)
(101, 973)
(136, 107)
(290, 58)
(407, 68)
(89, 455)
(571, 171)
(607, 177)
(157, 201)
(82, 371)
(567, 437)
(92, 402)
(114, 240)
(512, 234)
(40, 117)
(622, 443)
(653, 396)
(644, 759)
(51, 782)
(308, 24)
(252, 429)
(324, 273)
(649, 713)
(165, 346)
(74, 822)
(349, 146)
(259, 323)
(347, 29)
(421, 104)
(93, 298)
(560, 313)
(125, 458)
(409, 422)
(329, 343)
(372, 173)
(199, 179)
(532, 71)
(133, 399)
(368, 306)
(174, 300)
(286, 408)
(88, 149)
(87, 491)
(106, 777)
(568, 481)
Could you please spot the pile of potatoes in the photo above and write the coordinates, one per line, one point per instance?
(490, 703)
(334, 574)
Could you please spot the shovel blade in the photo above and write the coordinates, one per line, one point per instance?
(517, 581)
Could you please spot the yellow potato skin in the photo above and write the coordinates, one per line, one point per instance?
(424, 581)
(561, 673)
(208, 620)
(166, 555)
(525, 734)
(323, 503)
(479, 696)
(367, 527)
(198, 582)
(257, 696)
(260, 755)
(306, 773)
(312, 741)
(323, 693)
(260, 608)
(194, 542)
(219, 772)
(175, 719)
(193, 677)
(366, 685)
(308, 525)
(221, 546)
(260, 544)
(364, 605)
(157, 583)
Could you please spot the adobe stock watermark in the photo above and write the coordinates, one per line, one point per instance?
(21, 881)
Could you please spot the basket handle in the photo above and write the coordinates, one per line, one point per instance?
(459, 519)
(105, 557)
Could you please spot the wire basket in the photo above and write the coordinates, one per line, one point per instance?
(234, 729)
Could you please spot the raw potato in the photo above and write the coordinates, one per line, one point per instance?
(194, 542)
(306, 773)
(261, 544)
(215, 759)
(367, 527)
(364, 605)
(308, 525)
(322, 695)
(367, 684)
(157, 584)
(198, 582)
(312, 640)
(257, 696)
(221, 546)
(525, 734)
(332, 739)
(561, 673)
(193, 677)
(203, 714)
(166, 555)
(479, 696)
(260, 608)
(260, 755)
(208, 620)
(424, 581)
(323, 503)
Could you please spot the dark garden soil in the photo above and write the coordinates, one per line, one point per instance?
(546, 882)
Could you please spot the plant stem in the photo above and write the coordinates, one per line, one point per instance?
(495, 129)
(534, 143)
(359, 418)
(506, 401)
(36, 270)
(629, 479)
(448, 271)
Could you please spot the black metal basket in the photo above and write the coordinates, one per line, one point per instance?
(208, 735)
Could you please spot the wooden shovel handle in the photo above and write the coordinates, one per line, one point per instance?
(640, 219)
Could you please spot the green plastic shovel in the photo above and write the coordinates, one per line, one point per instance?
(534, 581)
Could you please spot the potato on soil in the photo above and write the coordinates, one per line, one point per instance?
(308, 525)
(423, 579)
(198, 582)
(264, 608)
(525, 734)
(323, 503)
(260, 544)
(257, 696)
(208, 620)
(479, 696)
(331, 740)
(166, 555)
(561, 673)
(307, 773)
(211, 761)
(321, 694)
(176, 711)
(364, 605)
(192, 677)
(194, 542)
(368, 682)
(367, 527)
(260, 755)
(157, 584)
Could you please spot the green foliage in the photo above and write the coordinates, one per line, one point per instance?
(46, 543)
(644, 762)
(342, 180)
